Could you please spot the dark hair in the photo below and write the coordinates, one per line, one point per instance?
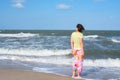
(80, 27)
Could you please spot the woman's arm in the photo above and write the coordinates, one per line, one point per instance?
(72, 44)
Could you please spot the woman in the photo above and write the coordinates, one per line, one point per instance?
(77, 49)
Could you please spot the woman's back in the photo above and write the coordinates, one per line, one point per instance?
(76, 36)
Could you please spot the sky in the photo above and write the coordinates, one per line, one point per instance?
(60, 14)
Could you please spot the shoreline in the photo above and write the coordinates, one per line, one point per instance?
(14, 74)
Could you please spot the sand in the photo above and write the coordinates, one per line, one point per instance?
(11, 74)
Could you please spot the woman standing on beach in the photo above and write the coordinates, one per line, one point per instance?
(77, 49)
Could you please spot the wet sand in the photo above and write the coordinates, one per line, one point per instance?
(12, 74)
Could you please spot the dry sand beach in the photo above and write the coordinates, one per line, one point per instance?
(11, 74)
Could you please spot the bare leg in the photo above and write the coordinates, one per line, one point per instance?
(78, 74)
(73, 73)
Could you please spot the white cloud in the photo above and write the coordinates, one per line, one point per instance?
(62, 6)
(18, 3)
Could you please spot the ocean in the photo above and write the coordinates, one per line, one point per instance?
(49, 51)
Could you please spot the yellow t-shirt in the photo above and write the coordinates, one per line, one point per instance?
(76, 39)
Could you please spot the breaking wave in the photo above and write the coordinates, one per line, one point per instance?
(91, 36)
(115, 40)
(19, 35)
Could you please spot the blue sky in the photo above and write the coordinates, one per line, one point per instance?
(60, 14)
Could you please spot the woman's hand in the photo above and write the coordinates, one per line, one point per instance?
(74, 52)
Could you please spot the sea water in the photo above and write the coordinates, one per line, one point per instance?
(49, 51)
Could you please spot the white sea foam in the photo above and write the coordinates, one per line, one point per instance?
(46, 70)
(29, 52)
(66, 61)
(103, 62)
(115, 40)
(91, 36)
(19, 35)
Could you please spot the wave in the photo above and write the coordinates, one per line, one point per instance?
(115, 40)
(59, 57)
(99, 46)
(103, 62)
(28, 52)
(91, 36)
(66, 61)
(19, 35)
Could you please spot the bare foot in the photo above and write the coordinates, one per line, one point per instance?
(73, 76)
